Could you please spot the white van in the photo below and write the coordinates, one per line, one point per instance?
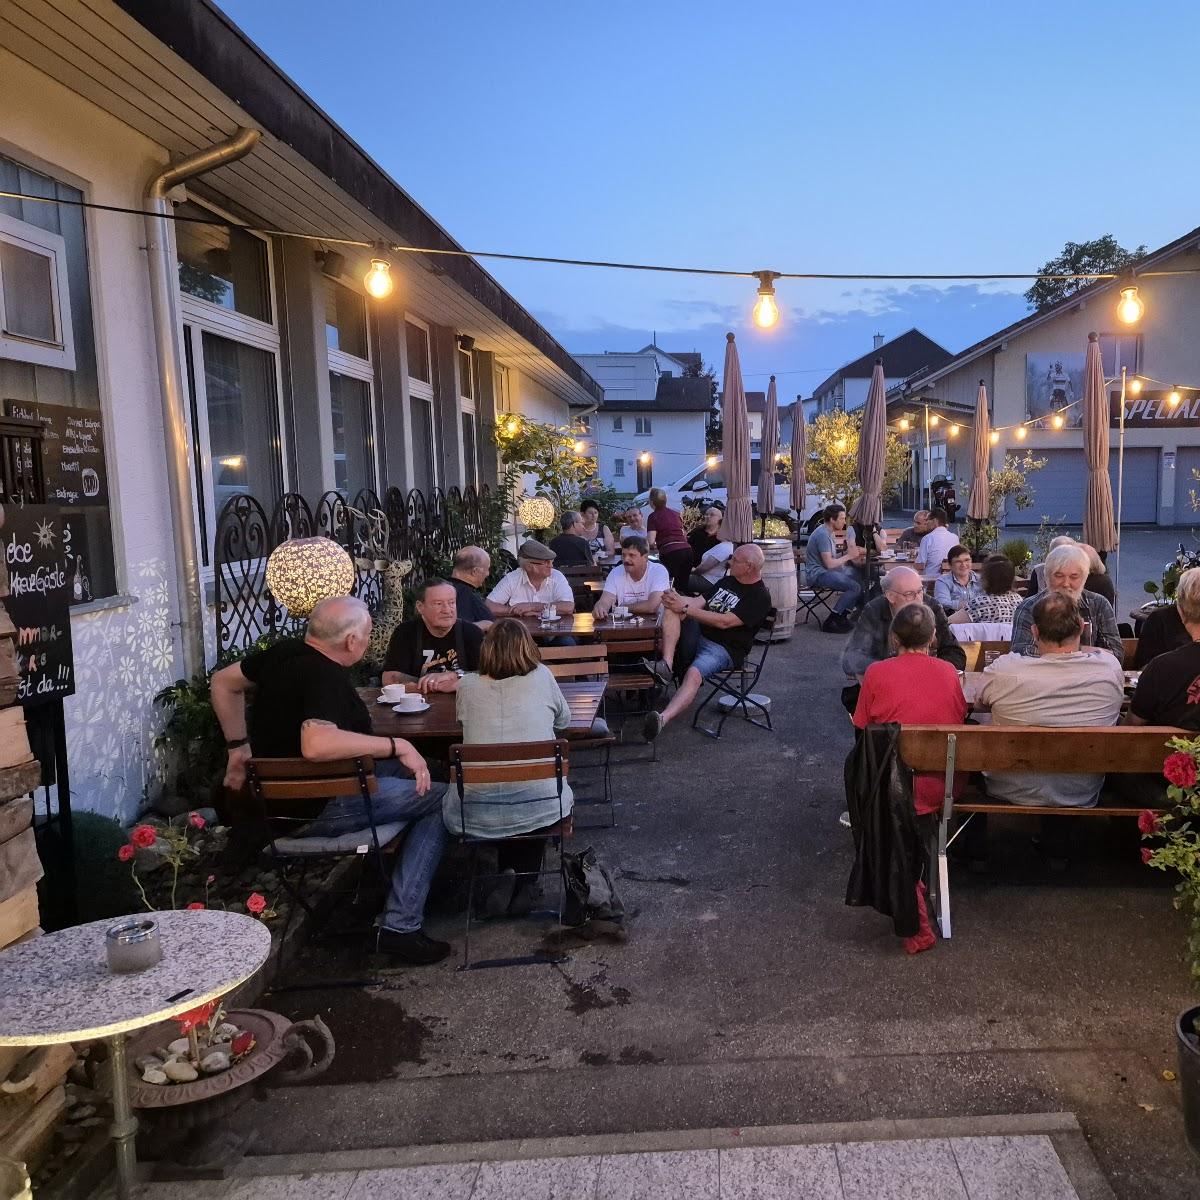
(708, 483)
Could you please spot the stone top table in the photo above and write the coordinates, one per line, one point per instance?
(58, 988)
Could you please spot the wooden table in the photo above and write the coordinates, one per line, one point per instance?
(439, 722)
(583, 625)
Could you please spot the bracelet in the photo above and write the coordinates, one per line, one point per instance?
(395, 752)
(236, 743)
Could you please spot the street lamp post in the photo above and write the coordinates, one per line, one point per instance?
(1120, 475)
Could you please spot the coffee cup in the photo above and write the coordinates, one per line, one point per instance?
(410, 700)
(620, 611)
(395, 692)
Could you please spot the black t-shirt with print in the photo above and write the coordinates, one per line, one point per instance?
(1168, 692)
(470, 603)
(751, 602)
(295, 682)
(414, 651)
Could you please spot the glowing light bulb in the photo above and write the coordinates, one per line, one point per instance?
(994, 437)
(933, 420)
(1131, 308)
(580, 447)
(1135, 386)
(378, 280)
(766, 311)
(905, 424)
(1021, 432)
(1057, 421)
(840, 445)
(711, 461)
(512, 425)
(644, 458)
(1173, 397)
(954, 431)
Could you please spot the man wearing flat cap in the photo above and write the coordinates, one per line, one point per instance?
(533, 585)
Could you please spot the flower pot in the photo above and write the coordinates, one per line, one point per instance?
(1189, 1075)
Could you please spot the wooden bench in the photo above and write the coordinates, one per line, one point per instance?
(945, 749)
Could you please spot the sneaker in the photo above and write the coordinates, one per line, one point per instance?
(652, 725)
(660, 670)
(500, 897)
(836, 623)
(413, 948)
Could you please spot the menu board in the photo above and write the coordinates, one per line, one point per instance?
(39, 545)
(72, 452)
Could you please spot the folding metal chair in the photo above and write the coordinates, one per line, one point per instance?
(290, 794)
(519, 762)
(739, 683)
(589, 662)
(812, 600)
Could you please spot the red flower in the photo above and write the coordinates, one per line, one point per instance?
(1147, 855)
(211, 879)
(195, 904)
(256, 902)
(1147, 821)
(196, 1016)
(196, 821)
(144, 835)
(242, 1044)
(1180, 769)
(126, 852)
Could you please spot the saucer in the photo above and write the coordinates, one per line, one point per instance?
(402, 711)
(383, 700)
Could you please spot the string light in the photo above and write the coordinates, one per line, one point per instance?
(1021, 431)
(766, 311)
(1173, 397)
(1131, 308)
(933, 421)
(994, 437)
(954, 431)
(1135, 386)
(378, 280)
(905, 424)
(1057, 421)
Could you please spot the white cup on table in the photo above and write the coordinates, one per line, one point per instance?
(393, 692)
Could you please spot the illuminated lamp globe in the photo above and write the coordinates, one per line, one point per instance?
(1057, 420)
(711, 460)
(1173, 397)
(766, 310)
(302, 572)
(905, 424)
(378, 280)
(1130, 308)
(1135, 386)
(933, 420)
(644, 458)
(1020, 433)
(536, 512)
(994, 437)
(954, 431)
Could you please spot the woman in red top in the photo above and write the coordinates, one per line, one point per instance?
(914, 689)
(667, 536)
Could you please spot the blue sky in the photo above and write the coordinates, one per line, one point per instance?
(864, 137)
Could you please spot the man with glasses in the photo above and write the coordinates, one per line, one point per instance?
(869, 641)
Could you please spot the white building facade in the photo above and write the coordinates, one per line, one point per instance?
(288, 376)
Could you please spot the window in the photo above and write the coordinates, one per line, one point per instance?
(420, 395)
(424, 473)
(222, 264)
(466, 374)
(417, 339)
(469, 418)
(616, 425)
(643, 426)
(35, 309)
(345, 320)
(585, 424)
(618, 468)
(645, 475)
(502, 389)
(470, 455)
(353, 442)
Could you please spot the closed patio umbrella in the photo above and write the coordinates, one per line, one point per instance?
(1099, 531)
(872, 446)
(799, 459)
(735, 449)
(770, 444)
(979, 504)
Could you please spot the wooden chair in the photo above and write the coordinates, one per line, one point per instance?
(289, 794)
(518, 762)
(587, 662)
(579, 577)
(945, 749)
(1131, 649)
(628, 646)
(738, 683)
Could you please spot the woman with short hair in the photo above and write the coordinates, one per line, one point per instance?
(669, 539)
(513, 698)
(953, 589)
(996, 600)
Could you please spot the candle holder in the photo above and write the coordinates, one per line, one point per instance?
(133, 945)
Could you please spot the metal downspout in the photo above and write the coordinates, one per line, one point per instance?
(165, 315)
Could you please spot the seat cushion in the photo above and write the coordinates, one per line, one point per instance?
(344, 843)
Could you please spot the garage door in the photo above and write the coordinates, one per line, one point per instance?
(1187, 460)
(1058, 488)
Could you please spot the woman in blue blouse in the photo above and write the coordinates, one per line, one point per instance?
(953, 590)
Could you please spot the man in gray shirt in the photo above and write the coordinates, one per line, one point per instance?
(824, 567)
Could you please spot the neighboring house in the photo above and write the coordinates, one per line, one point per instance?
(650, 427)
(902, 356)
(272, 371)
(1033, 371)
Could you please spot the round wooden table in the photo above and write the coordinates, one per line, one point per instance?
(58, 988)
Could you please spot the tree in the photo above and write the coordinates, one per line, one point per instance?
(1008, 482)
(547, 452)
(712, 427)
(1103, 255)
(833, 457)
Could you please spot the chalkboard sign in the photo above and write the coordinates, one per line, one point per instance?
(72, 452)
(38, 542)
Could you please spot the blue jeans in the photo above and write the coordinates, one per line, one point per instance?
(421, 851)
(838, 581)
(695, 650)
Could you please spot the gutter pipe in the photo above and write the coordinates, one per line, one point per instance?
(165, 316)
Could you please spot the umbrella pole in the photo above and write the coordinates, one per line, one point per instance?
(1120, 479)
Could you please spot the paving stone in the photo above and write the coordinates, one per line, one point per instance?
(780, 1173)
(909, 1170)
(675, 1175)
(538, 1179)
(321, 1185)
(450, 1181)
(1012, 1168)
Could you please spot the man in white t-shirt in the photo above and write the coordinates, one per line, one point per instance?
(935, 545)
(713, 565)
(637, 583)
(1064, 685)
(534, 584)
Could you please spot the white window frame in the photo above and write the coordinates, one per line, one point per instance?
(618, 425)
(467, 406)
(618, 468)
(503, 403)
(61, 352)
(643, 427)
(198, 317)
(362, 369)
(420, 390)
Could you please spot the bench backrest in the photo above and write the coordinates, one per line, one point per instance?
(1075, 750)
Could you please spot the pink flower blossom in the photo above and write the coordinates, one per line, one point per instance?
(196, 821)
(144, 835)
(210, 880)
(1147, 821)
(195, 904)
(1147, 855)
(126, 852)
(256, 902)
(1179, 768)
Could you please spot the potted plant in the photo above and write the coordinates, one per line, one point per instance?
(1175, 846)
(1017, 551)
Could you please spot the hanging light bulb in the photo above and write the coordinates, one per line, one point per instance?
(378, 280)
(1021, 431)
(840, 445)
(933, 421)
(580, 447)
(905, 424)
(766, 311)
(994, 437)
(1135, 386)
(1057, 420)
(1173, 396)
(954, 431)
(711, 461)
(644, 458)
(1131, 308)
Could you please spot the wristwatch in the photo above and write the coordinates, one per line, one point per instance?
(236, 743)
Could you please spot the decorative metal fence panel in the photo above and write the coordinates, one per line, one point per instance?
(427, 530)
